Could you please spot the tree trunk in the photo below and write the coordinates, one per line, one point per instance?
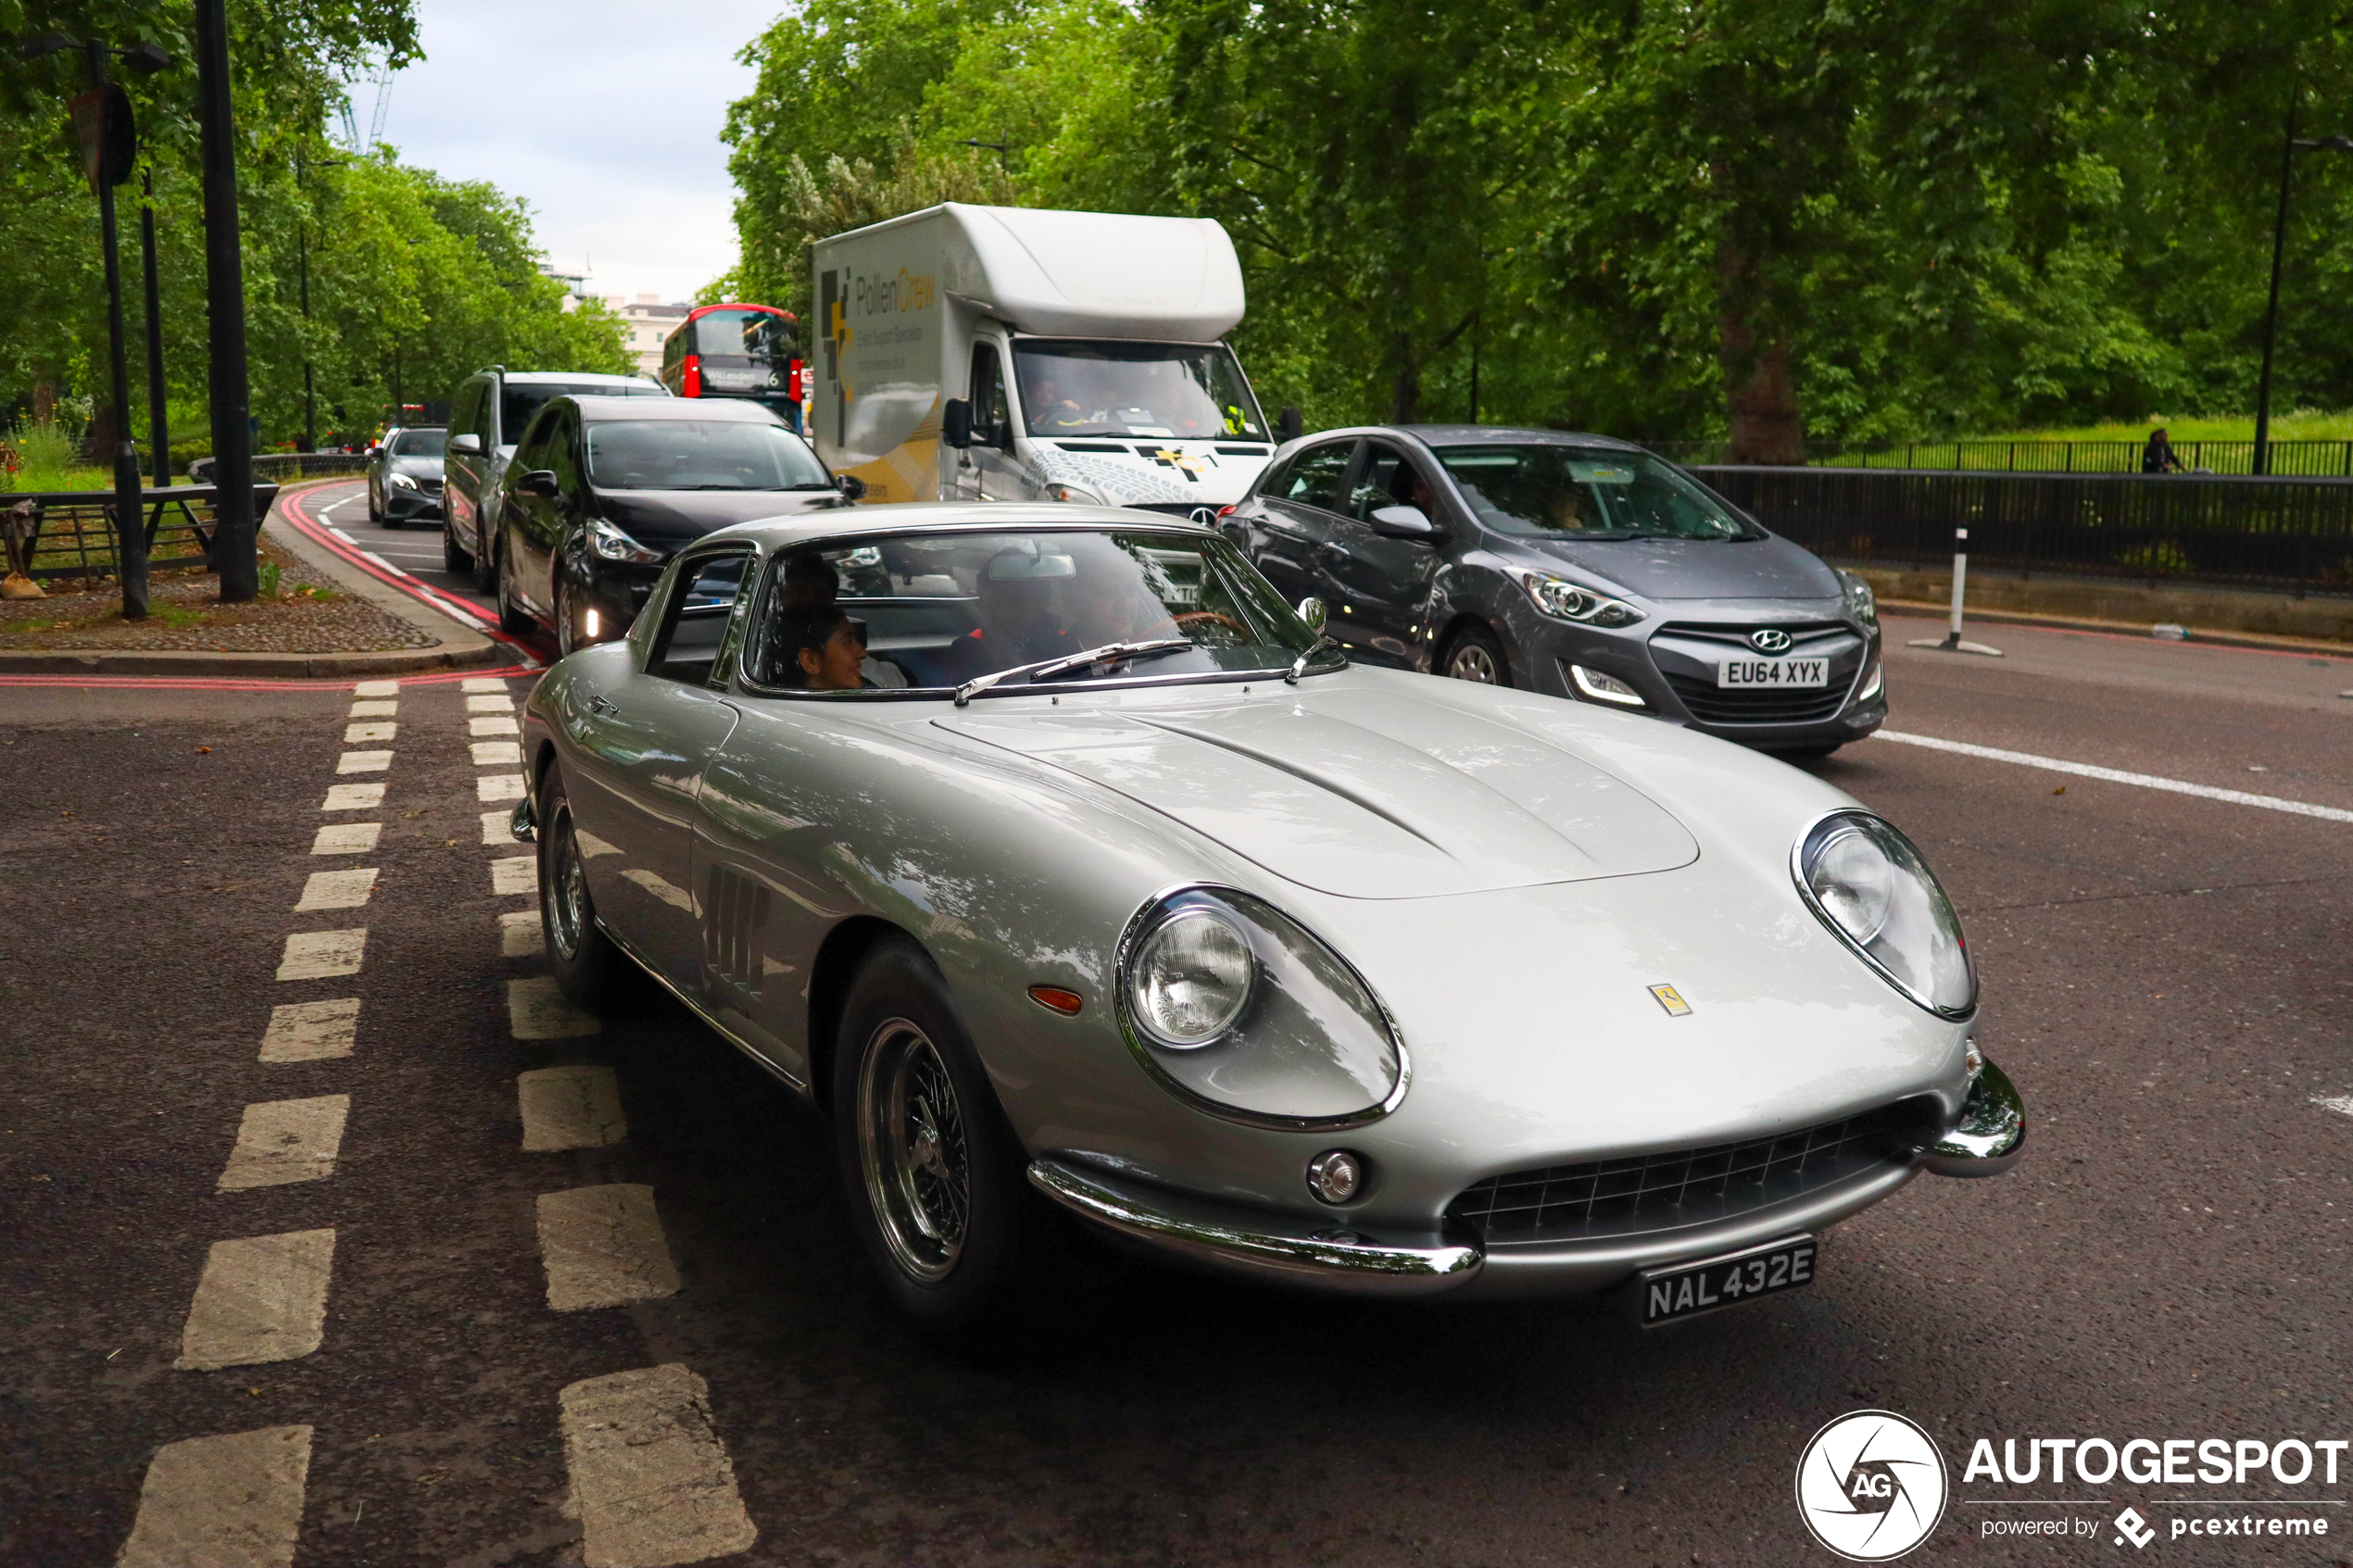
(1760, 397)
(1409, 381)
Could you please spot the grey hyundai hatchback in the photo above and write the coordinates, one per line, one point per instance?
(1576, 565)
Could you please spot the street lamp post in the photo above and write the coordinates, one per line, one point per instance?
(302, 265)
(159, 416)
(2290, 146)
(233, 542)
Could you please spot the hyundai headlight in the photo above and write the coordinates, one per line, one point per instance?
(1868, 884)
(1238, 1008)
(1573, 601)
(1861, 602)
(614, 545)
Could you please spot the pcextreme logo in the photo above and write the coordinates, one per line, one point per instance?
(1871, 1486)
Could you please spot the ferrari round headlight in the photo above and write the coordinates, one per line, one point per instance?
(1190, 977)
(1243, 1012)
(1869, 884)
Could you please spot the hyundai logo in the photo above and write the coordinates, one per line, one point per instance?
(1772, 639)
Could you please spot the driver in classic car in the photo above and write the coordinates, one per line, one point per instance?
(1020, 622)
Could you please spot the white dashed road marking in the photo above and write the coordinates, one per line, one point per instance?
(497, 828)
(537, 1010)
(262, 1298)
(485, 703)
(363, 762)
(2341, 1104)
(482, 683)
(311, 1031)
(493, 726)
(337, 890)
(286, 1140)
(496, 754)
(498, 786)
(354, 734)
(603, 1247)
(374, 710)
(345, 838)
(516, 873)
(2112, 776)
(519, 934)
(375, 688)
(318, 955)
(231, 1501)
(570, 1107)
(650, 1480)
(353, 797)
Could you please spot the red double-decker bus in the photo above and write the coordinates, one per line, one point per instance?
(737, 350)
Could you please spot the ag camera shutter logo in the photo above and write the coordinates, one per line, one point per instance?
(1871, 1486)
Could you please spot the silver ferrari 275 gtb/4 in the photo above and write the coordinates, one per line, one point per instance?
(1059, 861)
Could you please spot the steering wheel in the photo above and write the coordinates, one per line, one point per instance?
(1210, 615)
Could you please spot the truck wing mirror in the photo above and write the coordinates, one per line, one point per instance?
(852, 487)
(467, 446)
(1288, 426)
(956, 422)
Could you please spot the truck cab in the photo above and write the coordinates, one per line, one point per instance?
(1004, 353)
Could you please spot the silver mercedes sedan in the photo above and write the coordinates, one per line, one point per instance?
(1067, 867)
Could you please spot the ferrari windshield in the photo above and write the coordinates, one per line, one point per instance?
(938, 611)
(1588, 492)
(1175, 391)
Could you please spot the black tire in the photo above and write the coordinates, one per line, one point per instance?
(375, 506)
(487, 561)
(591, 971)
(512, 619)
(454, 557)
(569, 635)
(937, 1189)
(1474, 654)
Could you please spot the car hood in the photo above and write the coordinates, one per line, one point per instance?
(676, 516)
(1770, 567)
(416, 467)
(1360, 792)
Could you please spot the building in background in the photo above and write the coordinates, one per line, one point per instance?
(649, 322)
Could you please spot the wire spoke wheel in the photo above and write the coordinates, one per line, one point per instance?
(912, 1150)
(567, 884)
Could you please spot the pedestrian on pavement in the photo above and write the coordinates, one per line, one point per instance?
(2158, 456)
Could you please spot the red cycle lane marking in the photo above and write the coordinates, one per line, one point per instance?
(293, 509)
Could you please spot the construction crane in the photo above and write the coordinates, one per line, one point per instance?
(381, 77)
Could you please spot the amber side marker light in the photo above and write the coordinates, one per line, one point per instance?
(1067, 1003)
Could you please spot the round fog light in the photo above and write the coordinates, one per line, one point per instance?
(1335, 1176)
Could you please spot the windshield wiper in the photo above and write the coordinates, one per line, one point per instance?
(1299, 665)
(1046, 667)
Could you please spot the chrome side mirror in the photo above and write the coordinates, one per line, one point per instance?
(1311, 610)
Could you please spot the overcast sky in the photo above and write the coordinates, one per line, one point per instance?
(603, 115)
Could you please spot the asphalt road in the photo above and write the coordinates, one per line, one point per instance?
(2166, 977)
(414, 547)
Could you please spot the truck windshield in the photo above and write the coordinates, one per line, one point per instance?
(699, 454)
(1177, 392)
(934, 611)
(1589, 492)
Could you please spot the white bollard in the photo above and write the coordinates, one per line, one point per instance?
(1951, 642)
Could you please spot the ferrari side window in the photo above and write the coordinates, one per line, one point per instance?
(696, 623)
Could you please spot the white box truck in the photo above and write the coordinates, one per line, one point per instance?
(1016, 353)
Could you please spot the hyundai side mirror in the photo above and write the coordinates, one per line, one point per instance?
(467, 446)
(956, 423)
(1311, 610)
(1288, 426)
(540, 482)
(1403, 522)
(852, 488)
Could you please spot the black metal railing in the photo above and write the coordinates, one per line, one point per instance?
(2300, 460)
(2223, 530)
(71, 532)
(283, 466)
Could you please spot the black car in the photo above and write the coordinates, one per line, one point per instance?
(1575, 565)
(404, 476)
(602, 490)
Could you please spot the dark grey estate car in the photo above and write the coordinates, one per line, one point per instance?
(1576, 565)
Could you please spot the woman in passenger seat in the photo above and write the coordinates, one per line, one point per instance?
(825, 647)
